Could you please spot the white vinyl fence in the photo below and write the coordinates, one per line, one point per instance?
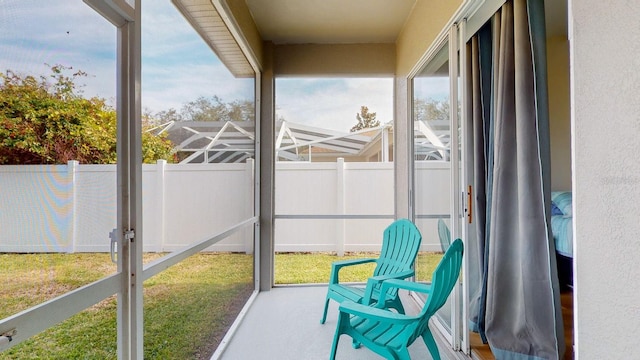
(72, 208)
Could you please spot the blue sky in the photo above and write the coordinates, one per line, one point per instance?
(33, 33)
(177, 65)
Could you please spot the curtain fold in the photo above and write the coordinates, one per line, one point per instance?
(481, 108)
(517, 310)
(537, 35)
(479, 174)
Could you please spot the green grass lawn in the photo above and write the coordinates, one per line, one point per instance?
(301, 268)
(187, 308)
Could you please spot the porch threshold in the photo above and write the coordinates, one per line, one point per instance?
(284, 323)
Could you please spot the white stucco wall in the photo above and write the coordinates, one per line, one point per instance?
(605, 55)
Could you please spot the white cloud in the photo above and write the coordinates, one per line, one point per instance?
(433, 87)
(333, 103)
(172, 87)
(178, 66)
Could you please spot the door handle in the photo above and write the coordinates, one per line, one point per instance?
(469, 204)
(113, 235)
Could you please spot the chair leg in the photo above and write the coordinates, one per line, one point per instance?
(336, 336)
(324, 314)
(334, 346)
(403, 354)
(431, 344)
(355, 344)
(397, 304)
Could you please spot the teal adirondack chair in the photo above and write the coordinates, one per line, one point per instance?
(390, 334)
(400, 244)
(444, 234)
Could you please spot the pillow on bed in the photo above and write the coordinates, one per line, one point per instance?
(562, 200)
(555, 210)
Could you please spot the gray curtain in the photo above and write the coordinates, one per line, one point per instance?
(517, 308)
(480, 57)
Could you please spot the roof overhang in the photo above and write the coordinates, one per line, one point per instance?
(217, 31)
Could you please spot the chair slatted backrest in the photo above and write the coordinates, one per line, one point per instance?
(444, 235)
(400, 245)
(444, 278)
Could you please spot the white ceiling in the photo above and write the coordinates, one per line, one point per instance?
(330, 21)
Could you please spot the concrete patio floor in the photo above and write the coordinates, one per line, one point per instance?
(284, 323)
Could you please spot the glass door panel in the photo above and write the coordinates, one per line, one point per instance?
(432, 164)
(437, 166)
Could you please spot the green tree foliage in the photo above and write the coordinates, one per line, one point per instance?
(208, 109)
(241, 110)
(431, 109)
(49, 122)
(365, 119)
(162, 117)
(204, 109)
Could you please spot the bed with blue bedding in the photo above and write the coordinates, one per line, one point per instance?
(562, 229)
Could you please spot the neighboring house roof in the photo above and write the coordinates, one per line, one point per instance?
(211, 141)
(233, 141)
(294, 140)
(431, 139)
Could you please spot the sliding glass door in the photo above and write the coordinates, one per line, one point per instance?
(437, 167)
